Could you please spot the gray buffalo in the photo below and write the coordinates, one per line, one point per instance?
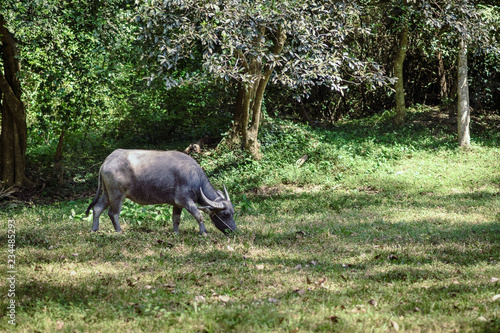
(156, 177)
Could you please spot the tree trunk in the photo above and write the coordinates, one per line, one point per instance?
(443, 86)
(234, 137)
(398, 73)
(248, 112)
(13, 135)
(58, 159)
(463, 97)
(452, 107)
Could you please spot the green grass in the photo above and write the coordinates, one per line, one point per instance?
(378, 229)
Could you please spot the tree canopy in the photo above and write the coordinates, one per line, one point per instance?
(225, 37)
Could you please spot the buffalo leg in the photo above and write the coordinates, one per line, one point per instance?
(176, 218)
(193, 210)
(99, 207)
(115, 209)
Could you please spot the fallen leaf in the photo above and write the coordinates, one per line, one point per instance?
(148, 286)
(321, 281)
(395, 325)
(493, 280)
(496, 297)
(300, 291)
(334, 319)
(224, 298)
(199, 299)
(483, 319)
(295, 330)
(130, 282)
(137, 308)
(59, 325)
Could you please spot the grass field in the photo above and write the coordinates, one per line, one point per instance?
(378, 231)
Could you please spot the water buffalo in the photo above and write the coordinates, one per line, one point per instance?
(156, 177)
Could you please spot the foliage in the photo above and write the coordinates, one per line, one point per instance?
(431, 37)
(184, 113)
(71, 55)
(223, 38)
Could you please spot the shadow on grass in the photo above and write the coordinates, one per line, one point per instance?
(345, 236)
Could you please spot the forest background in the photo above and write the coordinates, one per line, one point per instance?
(85, 74)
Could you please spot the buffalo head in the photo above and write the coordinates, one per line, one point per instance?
(220, 210)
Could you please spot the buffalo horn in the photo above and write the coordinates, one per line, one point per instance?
(213, 204)
(225, 192)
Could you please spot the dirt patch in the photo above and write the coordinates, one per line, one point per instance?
(369, 189)
(268, 191)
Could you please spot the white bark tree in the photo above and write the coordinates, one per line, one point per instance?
(462, 23)
(463, 108)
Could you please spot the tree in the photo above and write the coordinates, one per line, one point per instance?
(295, 43)
(13, 136)
(69, 52)
(463, 97)
(436, 25)
(398, 73)
(465, 25)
